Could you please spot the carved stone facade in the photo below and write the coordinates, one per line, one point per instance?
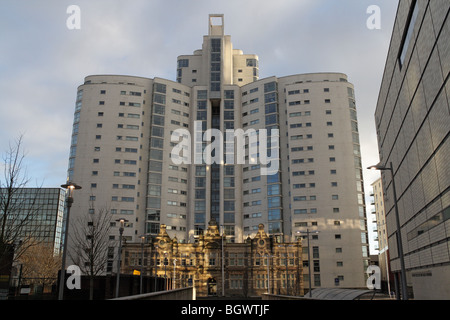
(246, 267)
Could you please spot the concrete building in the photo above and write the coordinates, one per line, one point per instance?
(412, 120)
(141, 149)
(381, 235)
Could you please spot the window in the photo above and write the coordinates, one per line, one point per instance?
(273, 189)
(252, 63)
(271, 119)
(183, 63)
(410, 28)
(274, 202)
(229, 115)
(229, 94)
(270, 97)
(271, 108)
(159, 109)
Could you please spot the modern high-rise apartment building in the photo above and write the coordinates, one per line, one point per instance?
(140, 149)
(413, 126)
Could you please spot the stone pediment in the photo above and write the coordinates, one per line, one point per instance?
(163, 240)
(261, 235)
(212, 233)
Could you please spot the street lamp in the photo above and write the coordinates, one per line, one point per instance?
(398, 231)
(174, 274)
(223, 262)
(309, 258)
(156, 266)
(142, 263)
(70, 187)
(166, 261)
(121, 228)
(268, 272)
(222, 237)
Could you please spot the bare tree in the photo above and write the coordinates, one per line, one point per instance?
(18, 208)
(90, 242)
(40, 265)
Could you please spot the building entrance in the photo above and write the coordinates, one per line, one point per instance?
(212, 287)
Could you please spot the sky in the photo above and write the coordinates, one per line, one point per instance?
(42, 61)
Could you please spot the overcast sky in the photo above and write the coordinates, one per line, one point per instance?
(42, 62)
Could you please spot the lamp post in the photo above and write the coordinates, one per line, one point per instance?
(223, 263)
(165, 274)
(268, 272)
(70, 187)
(398, 231)
(121, 228)
(156, 267)
(174, 274)
(309, 258)
(142, 263)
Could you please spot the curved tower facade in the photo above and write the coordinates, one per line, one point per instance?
(221, 144)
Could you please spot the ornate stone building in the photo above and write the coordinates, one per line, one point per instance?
(252, 268)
